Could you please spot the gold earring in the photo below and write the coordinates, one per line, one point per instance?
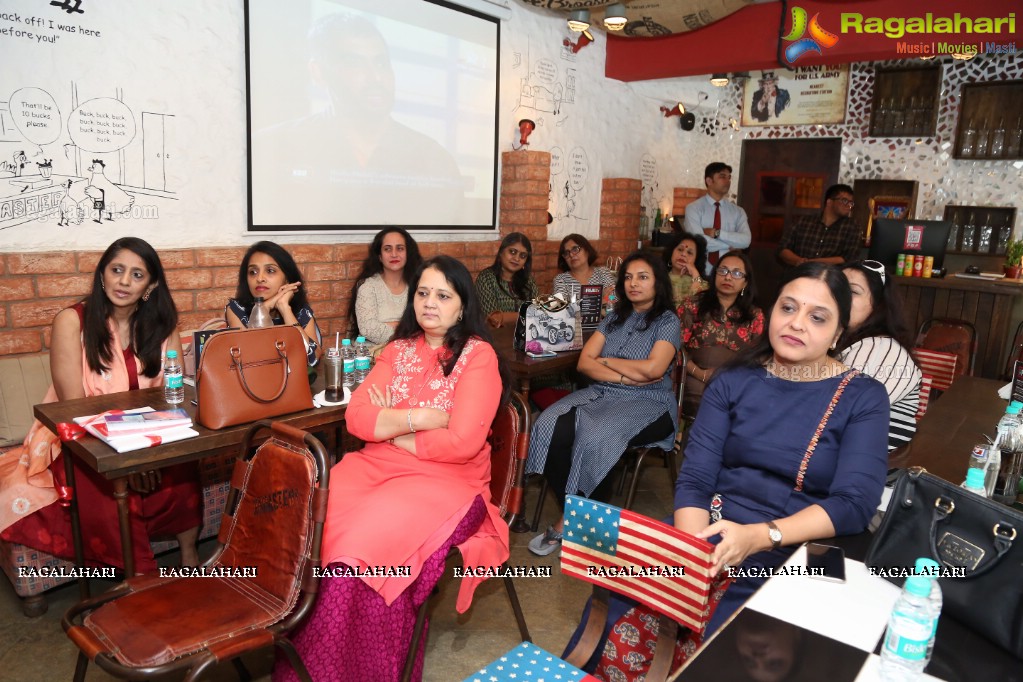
(145, 296)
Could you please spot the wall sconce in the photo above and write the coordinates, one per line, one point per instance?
(614, 17)
(579, 20)
(686, 121)
(585, 38)
(526, 127)
(677, 110)
(719, 80)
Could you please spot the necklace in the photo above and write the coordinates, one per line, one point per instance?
(429, 377)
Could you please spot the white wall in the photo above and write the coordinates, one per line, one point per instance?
(178, 68)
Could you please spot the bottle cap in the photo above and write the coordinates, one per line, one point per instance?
(918, 585)
(975, 478)
(346, 342)
(258, 299)
(1012, 409)
(172, 354)
(361, 339)
(927, 567)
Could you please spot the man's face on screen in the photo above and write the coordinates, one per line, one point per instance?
(359, 76)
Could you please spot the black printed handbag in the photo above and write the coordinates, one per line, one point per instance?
(930, 517)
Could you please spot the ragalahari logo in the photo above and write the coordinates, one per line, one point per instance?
(818, 38)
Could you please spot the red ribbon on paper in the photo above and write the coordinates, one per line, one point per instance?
(70, 431)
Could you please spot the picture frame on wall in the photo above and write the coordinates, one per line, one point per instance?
(806, 95)
(894, 207)
(896, 199)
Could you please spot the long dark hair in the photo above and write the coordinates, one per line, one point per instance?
(473, 322)
(710, 307)
(153, 321)
(701, 249)
(288, 267)
(885, 317)
(837, 284)
(591, 253)
(663, 300)
(520, 280)
(374, 266)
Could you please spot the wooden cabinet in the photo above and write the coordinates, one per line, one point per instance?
(990, 121)
(905, 101)
(982, 230)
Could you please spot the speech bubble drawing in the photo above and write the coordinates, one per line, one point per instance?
(578, 168)
(546, 70)
(101, 125)
(648, 169)
(557, 160)
(36, 115)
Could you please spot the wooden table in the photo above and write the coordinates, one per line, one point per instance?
(962, 417)
(103, 459)
(525, 368)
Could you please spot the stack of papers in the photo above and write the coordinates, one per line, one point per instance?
(126, 430)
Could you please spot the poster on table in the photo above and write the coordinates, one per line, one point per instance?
(807, 95)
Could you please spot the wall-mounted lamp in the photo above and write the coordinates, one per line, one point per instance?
(964, 56)
(719, 80)
(614, 17)
(585, 38)
(579, 20)
(526, 127)
(676, 110)
(686, 121)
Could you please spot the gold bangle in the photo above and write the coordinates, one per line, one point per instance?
(411, 428)
(622, 379)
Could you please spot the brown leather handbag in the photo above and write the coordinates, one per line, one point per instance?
(250, 374)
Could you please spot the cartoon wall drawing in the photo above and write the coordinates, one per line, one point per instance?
(93, 162)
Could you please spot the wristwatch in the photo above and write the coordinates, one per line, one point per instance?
(775, 534)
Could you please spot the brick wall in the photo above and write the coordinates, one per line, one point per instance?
(35, 286)
(683, 196)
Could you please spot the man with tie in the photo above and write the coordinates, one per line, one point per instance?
(724, 224)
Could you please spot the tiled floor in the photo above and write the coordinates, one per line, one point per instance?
(36, 649)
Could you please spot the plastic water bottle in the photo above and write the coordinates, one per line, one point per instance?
(1005, 443)
(905, 652)
(929, 568)
(259, 317)
(363, 360)
(975, 482)
(348, 363)
(173, 381)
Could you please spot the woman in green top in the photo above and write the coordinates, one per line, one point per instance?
(686, 258)
(508, 283)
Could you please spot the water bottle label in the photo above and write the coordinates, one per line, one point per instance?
(174, 380)
(911, 643)
(362, 363)
(349, 365)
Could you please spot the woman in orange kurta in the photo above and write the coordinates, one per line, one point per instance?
(418, 487)
(113, 340)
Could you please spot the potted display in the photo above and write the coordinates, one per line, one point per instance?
(1013, 258)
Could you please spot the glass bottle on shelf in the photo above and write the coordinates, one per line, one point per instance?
(953, 233)
(969, 233)
(986, 232)
(983, 137)
(889, 117)
(997, 147)
(877, 126)
(968, 141)
(1004, 234)
(900, 119)
(1014, 140)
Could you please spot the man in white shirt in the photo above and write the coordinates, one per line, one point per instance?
(724, 224)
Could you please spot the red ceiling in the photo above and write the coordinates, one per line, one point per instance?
(748, 39)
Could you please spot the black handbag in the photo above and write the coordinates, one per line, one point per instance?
(975, 541)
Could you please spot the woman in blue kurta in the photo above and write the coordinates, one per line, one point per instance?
(578, 440)
(750, 482)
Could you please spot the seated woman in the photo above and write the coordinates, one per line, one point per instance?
(575, 262)
(686, 257)
(418, 487)
(576, 441)
(788, 447)
(269, 272)
(113, 340)
(381, 290)
(719, 323)
(876, 343)
(508, 283)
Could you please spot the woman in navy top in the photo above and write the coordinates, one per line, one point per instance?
(748, 462)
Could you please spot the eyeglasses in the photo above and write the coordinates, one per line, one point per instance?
(875, 266)
(844, 201)
(735, 274)
(572, 251)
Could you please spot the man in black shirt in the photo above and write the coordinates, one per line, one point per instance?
(829, 237)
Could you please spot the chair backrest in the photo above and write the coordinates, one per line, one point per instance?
(509, 447)
(938, 366)
(275, 511)
(950, 336)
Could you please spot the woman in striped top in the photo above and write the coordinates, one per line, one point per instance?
(877, 343)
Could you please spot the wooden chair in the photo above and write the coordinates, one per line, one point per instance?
(269, 547)
(950, 336)
(509, 446)
(938, 366)
(1015, 353)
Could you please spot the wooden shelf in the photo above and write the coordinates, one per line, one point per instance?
(973, 221)
(905, 101)
(990, 116)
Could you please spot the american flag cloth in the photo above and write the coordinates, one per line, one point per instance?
(528, 662)
(640, 558)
